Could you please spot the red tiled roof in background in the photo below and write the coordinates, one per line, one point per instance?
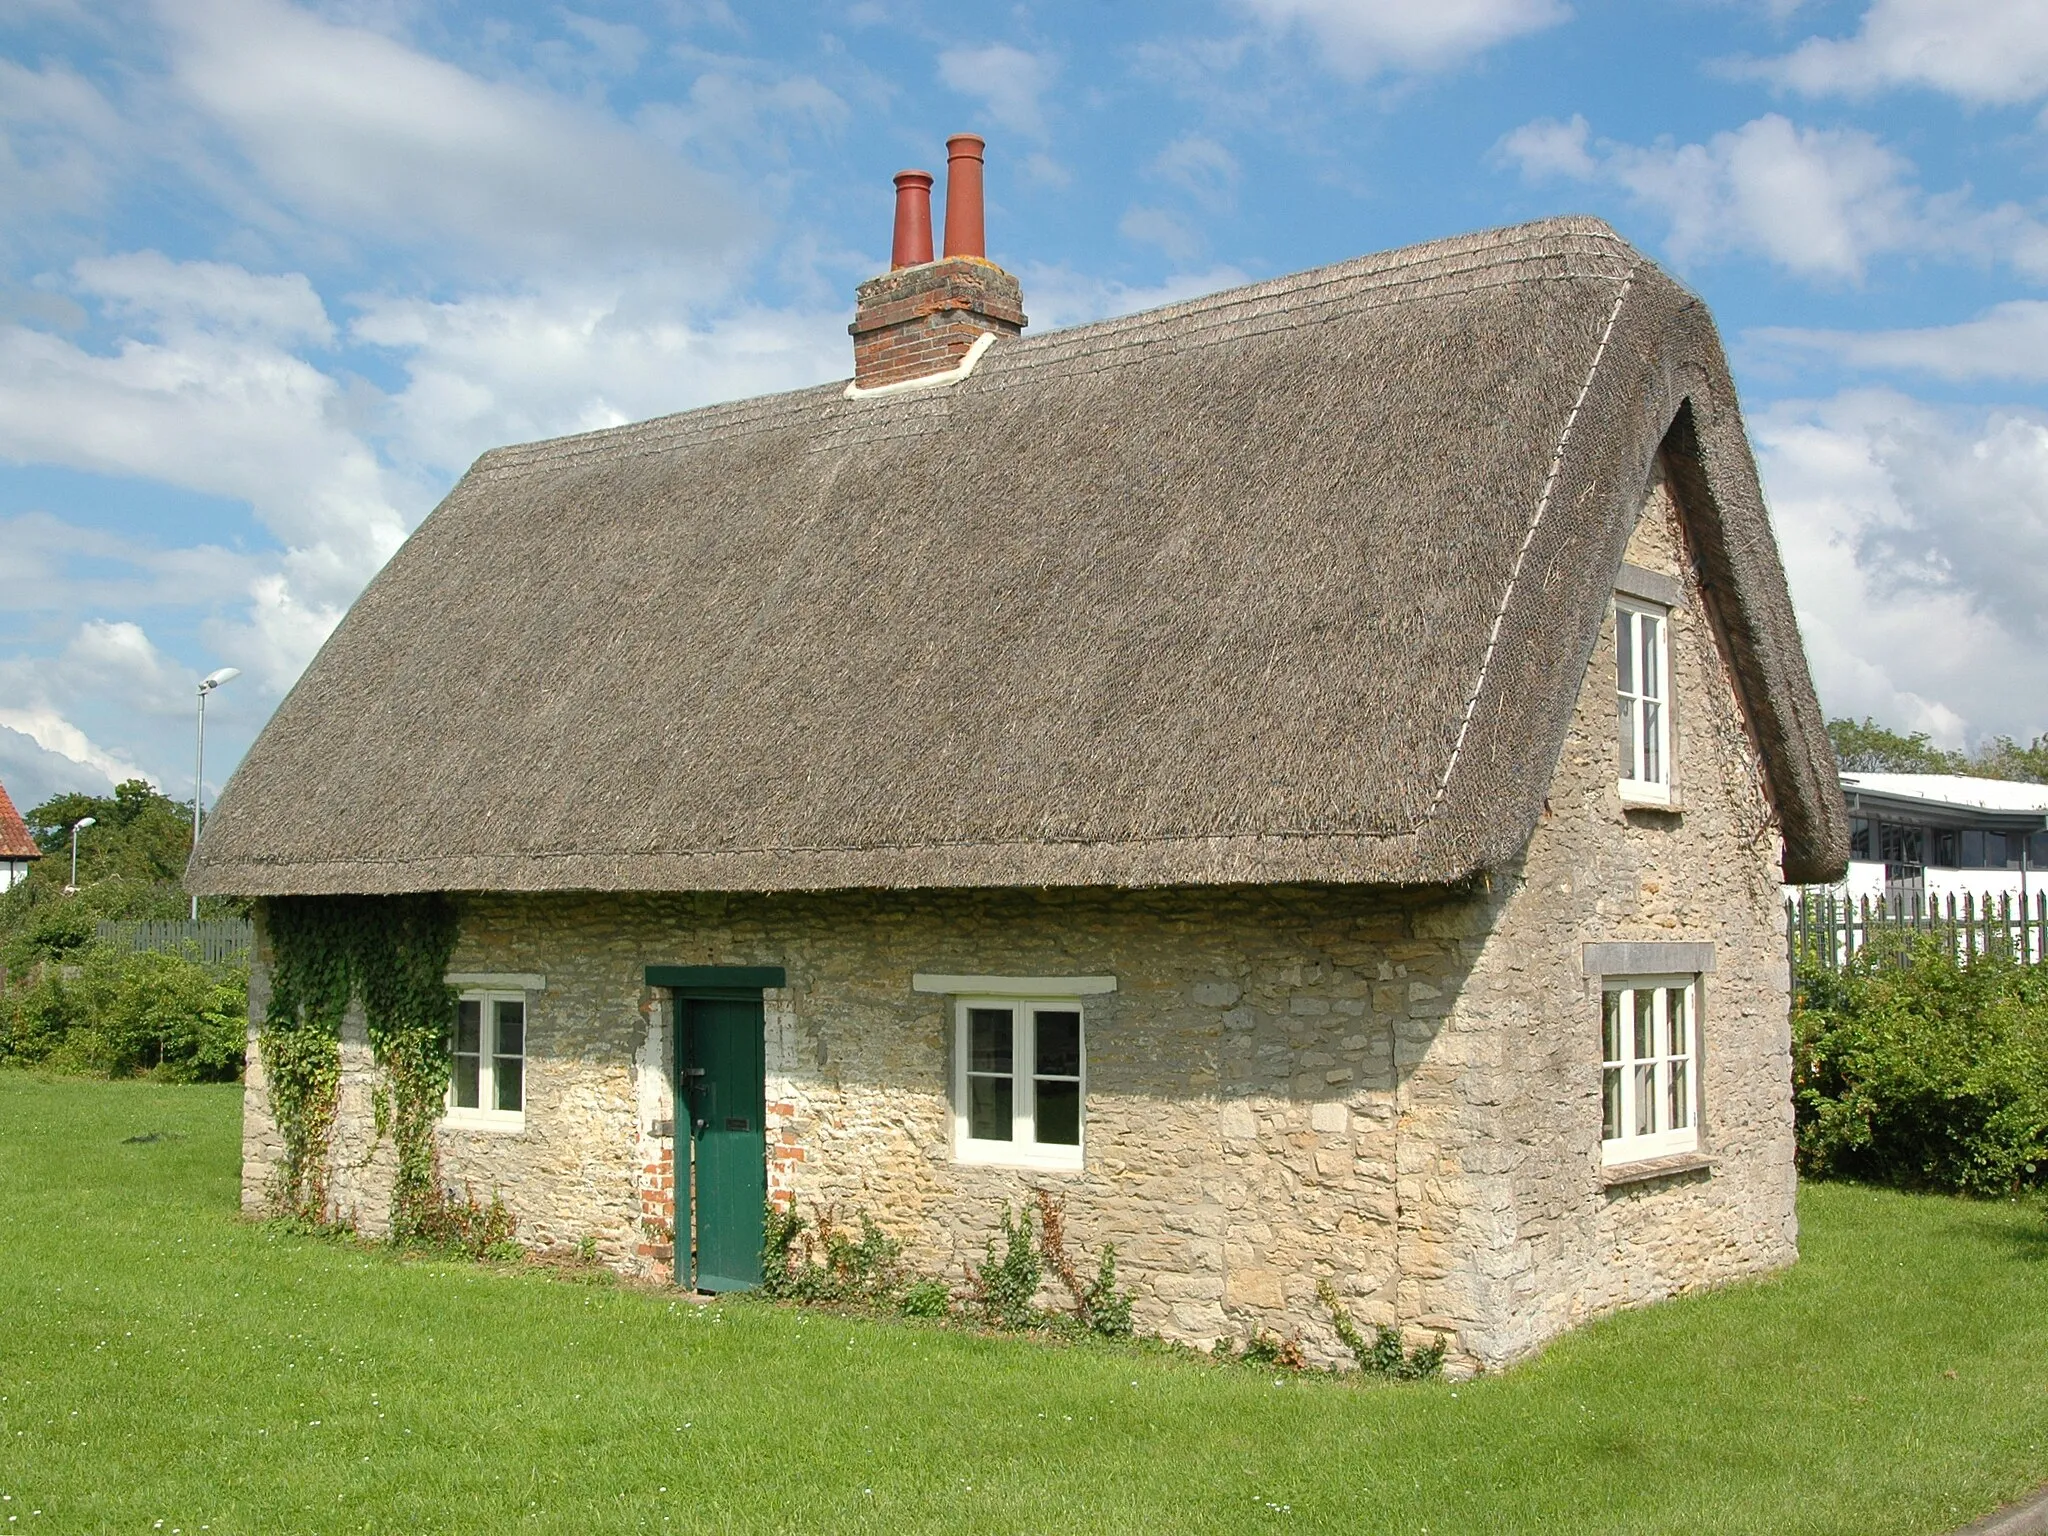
(15, 843)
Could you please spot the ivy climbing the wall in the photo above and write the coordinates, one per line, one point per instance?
(391, 952)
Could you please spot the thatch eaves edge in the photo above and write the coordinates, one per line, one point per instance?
(1305, 860)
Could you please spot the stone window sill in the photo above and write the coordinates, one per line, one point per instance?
(1671, 804)
(502, 1122)
(1650, 1168)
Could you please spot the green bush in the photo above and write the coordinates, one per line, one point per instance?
(116, 1014)
(1912, 1070)
(39, 923)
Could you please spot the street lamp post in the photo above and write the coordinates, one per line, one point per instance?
(77, 827)
(207, 684)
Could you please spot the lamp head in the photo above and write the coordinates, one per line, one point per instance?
(213, 680)
(83, 822)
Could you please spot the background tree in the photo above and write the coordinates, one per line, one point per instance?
(130, 863)
(1867, 747)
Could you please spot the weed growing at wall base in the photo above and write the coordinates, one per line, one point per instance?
(815, 1260)
(1383, 1354)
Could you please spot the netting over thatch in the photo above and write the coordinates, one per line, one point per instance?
(1297, 582)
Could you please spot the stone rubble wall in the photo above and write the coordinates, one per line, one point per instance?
(1397, 1091)
(1571, 1247)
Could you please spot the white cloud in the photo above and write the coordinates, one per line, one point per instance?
(1913, 538)
(1989, 52)
(43, 754)
(2007, 341)
(1009, 82)
(32, 773)
(1173, 235)
(728, 111)
(203, 394)
(56, 566)
(615, 46)
(226, 415)
(57, 135)
(108, 655)
(357, 130)
(1202, 168)
(1059, 296)
(489, 369)
(188, 297)
(94, 711)
(54, 734)
(1821, 202)
(1361, 38)
(1547, 147)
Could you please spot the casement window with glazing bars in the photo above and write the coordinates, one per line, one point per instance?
(1020, 1083)
(1642, 696)
(487, 1069)
(1649, 1070)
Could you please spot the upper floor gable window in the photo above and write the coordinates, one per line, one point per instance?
(1642, 694)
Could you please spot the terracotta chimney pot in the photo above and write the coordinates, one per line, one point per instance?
(965, 235)
(913, 244)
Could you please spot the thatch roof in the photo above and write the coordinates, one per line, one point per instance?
(1296, 582)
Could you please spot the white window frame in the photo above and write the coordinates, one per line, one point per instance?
(1647, 779)
(1023, 1150)
(484, 1115)
(1623, 1070)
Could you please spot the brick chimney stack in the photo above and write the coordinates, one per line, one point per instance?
(923, 317)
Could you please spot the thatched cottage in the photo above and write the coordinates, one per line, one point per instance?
(1303, 774)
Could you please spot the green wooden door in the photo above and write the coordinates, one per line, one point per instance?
(724, 1085)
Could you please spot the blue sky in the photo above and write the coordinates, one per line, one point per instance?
(272, 274)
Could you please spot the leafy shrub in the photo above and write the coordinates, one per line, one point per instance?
(1106, 1308)
(928, 1298)
(117, 1014)
(41, 923)
(129, 865)
(1913, 1070)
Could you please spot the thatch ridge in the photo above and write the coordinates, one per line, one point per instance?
(1291, 583)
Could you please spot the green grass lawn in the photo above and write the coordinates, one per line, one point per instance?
(167, 1367)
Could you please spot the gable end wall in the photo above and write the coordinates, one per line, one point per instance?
(1549, 1243)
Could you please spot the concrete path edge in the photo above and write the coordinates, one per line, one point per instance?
(2029, 1517)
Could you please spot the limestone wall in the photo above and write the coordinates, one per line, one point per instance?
(1563, 1245)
